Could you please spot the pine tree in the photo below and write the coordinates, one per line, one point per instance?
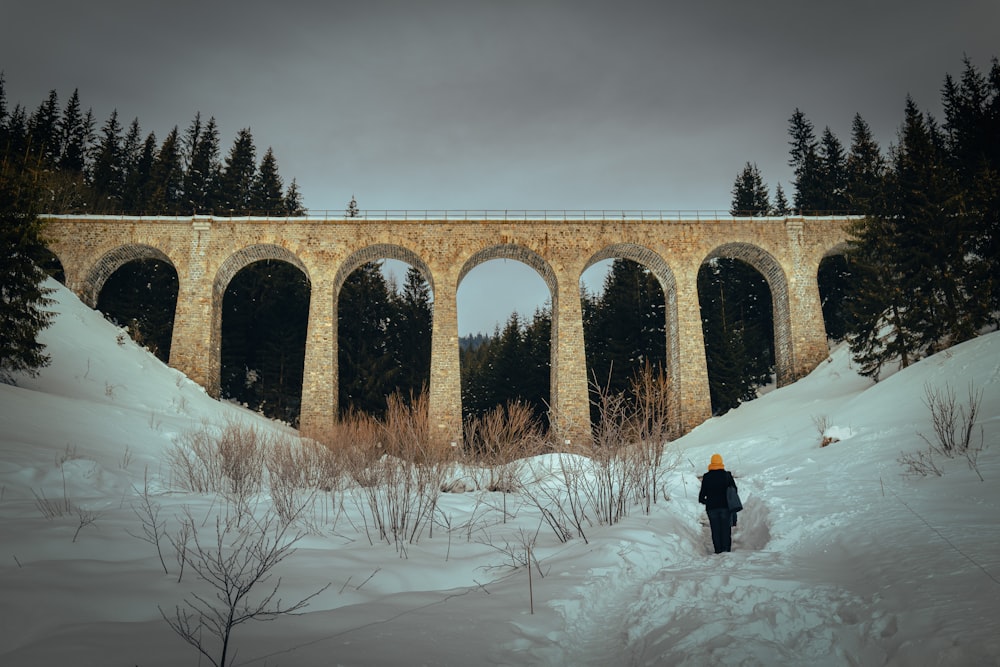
(74, 136)
(506, 364)
(916, 271)
(23, 297)
(64, 183)
(43, 130)
(625, 328)
(60, 190)
(167, 177)
(131, 151)
(537, 367)
(202, 169)
(107, 177)
(368, 372)
(833, 174)
(737, 323)
(780, 207)
(138, 189)
(15, 132)
(512, 365)
(939, 244)
(750, 193)
(13, 129)
(477, 394)
(877, 332)
(865, 168)
(266, 194)
(189, 144)
(3, 110)
(411, 332)
(264, 322)
(293, 200)
(238, 174)
(972, 125)
(805, 163)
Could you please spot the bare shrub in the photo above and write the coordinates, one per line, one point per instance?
(237, 561)
(954, 427)
(651, 425)
(398, 470)
(954, 424)
(518, 553)
(68, 454)
(562, 499)
(148, 513)
(406, 430)
(86, 517)
(194, 461)
(625, 465)
(612, 465)
(180, 541)
(298, 470)
(357, 440)
(920, 463)
(822, 423)
(241, 449)
(630, 443)
(228, 460)
(54, 508)
(498, 443)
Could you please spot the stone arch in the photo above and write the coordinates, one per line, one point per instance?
(111, 262)
(515, 252)
(836, 249)
(668, 283)
(376, 252)
(233, 264)
(532, 259)
(353, 261)
(777, 281)
(832, 274)
(544, 269)
(244, 257)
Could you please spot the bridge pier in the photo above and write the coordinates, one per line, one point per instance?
(807, 330)
(195, 342)
(568, 374)
(445, 392)
(318, 412)
(695, 400)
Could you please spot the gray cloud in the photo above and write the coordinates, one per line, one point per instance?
(512, 104)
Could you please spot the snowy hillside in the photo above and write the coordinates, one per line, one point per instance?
(839, 557)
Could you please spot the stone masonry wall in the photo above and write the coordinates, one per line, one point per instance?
(207, 252)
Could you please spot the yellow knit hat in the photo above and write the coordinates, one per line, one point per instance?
(716, 463)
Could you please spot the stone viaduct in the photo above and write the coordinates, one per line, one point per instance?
(208, 251)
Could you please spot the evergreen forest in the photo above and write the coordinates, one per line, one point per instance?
(922, 270)
(920, 274)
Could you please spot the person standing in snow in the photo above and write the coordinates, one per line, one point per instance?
(713, 496)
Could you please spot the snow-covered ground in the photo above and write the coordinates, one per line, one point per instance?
(839, 558)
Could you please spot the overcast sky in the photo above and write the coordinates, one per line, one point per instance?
(505, 104)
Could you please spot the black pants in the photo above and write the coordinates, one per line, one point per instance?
(721, 522)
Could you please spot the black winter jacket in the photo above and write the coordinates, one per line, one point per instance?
(713, 489)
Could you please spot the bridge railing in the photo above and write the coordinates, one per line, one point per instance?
(518, 214)
(549, 214)
(475, 214)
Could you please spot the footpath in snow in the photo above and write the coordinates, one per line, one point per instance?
(840, 558)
